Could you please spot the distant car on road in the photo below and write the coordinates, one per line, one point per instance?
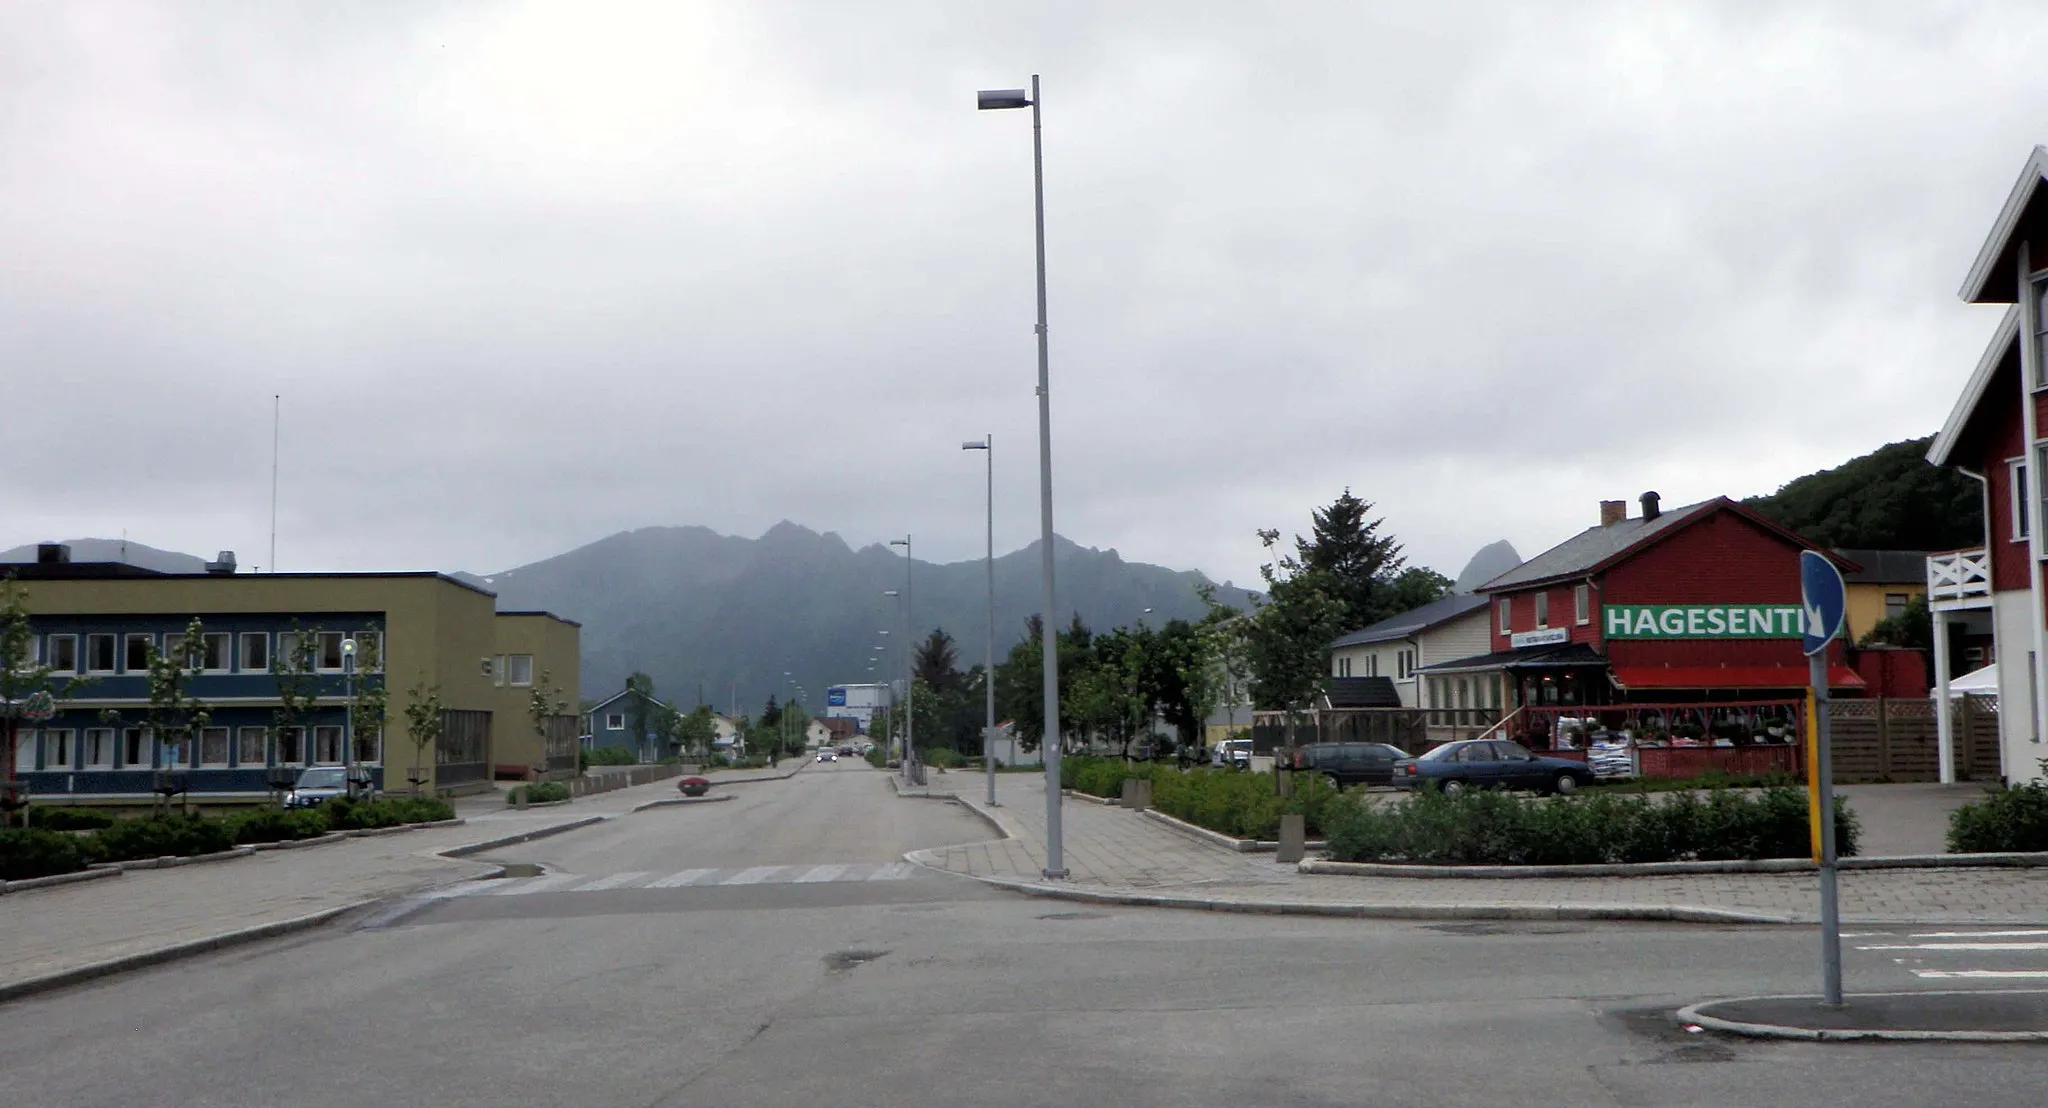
(827, 756)
(315, 785)
(1489, 764)
(1350, 763)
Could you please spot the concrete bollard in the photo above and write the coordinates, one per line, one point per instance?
(1143, 792)
(1293, 839)
(520, 797)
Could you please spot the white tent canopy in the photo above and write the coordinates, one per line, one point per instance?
(1976, 681)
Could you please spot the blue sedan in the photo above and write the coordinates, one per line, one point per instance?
(1489, 763)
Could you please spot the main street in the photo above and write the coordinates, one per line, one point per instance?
(772, 949)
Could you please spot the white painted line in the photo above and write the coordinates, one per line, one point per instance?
(894, 871)
(615, 881)
(1970, 934)
(753, 876)
(821, 873)
(447, 892)
(2003, 975)
(677, 880)
(1959, 946)
(551, 882)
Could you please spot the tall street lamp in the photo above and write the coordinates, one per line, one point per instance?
(1055, 862)
(898, 594)
(909, 660)
(987, 446)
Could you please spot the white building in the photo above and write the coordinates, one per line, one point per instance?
(1454, 627)
(856, 702)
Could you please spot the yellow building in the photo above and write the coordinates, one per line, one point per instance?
(1887, 583)
(413, 634)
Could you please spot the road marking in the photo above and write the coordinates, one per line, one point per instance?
(753, 876)
(821, 873)
(1958, 946)
(677, 880)
(1969, 934)
(893, 871)
(615, 881)
(2002, 975)
(530, 885)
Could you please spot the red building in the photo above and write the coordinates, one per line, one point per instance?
(1691, 605)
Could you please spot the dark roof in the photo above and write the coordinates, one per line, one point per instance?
(1414, 621)
(82, 571)
(1537, 657)
(1886, 567)
(537, 612)
(613, 698)
(1595, 548)
(1360, 692)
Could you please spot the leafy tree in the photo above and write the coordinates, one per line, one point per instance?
(1187, 677)
(640, 711)
(369, 706)
(1411, 589)
(292, 671)
(544, 704)
(1889, 499)
(425, 720)
(22, 679)
(1356, 561)
(695, 732)
(1020, 680)
(175, 717)
(1913, 627)
(1286, 638)
(936, 661)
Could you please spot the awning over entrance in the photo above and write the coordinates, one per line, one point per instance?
(1728, 677)
(1539, 657)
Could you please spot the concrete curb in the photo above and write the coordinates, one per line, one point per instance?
(679, 801)
(1218, 838)
(295, 844)
(513, 806)
(172, 861)
(174, 952)
(1107, 802)
(984, 816)
(1326, 868)
(716, 781)
(1655, 913)
(467, 849)
(1692, 1013)
(27, 883)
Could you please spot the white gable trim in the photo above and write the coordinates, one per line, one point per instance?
(1973, 392)
(1982, 270)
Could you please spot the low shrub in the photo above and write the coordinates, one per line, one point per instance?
(276, 825)
(163, 836)
(1232, 802)
(2011, 819)
(69, 819)
(942, 757)
(27, 852)
(608, 756)
(540, 792)
(345, 814)
(1494, 828)
(875, 756)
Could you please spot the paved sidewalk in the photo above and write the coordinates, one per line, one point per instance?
(1109, 850)
(143, 912)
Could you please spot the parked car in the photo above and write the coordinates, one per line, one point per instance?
(827, 756)
(1232, 753)
(317, 784)
(1489, 764)
(1350, 763)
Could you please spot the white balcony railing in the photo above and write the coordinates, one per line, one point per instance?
(1958, 576)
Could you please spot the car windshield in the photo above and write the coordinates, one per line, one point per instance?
(325, 777)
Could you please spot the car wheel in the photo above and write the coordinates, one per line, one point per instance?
(1451, 788)
(1335, 781)
(1565, 785)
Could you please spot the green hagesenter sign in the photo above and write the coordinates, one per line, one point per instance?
(1701, 621)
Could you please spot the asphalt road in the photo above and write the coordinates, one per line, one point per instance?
(764, 951)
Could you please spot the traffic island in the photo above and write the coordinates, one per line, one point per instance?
(2003, 1016)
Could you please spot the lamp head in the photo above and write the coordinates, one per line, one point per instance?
(997, 99)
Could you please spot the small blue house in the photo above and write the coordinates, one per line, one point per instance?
(626, 720)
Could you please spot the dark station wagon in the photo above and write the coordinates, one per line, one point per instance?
(1490, 764)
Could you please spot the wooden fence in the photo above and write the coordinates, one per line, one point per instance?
(1896, 740)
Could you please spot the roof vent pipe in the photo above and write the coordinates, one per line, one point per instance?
(1650, 509)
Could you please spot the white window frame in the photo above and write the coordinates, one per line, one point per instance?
(299, 736)
(285, 657)
(50, 652)
(128, 641)
(1582, 604)
(242, 737)
(1542, 604)
(512, 670)
(97, 751)
(369, 651)
(1507, 614)
(227, 651)
(369, 747)
(498, 670)
(113, 653)
(615, 721)
(146, 753)
(242, 651)
(25, 748)
(227, 747)
(2040, 466)
(320, 664)
(2016, 488)
(326, 739)
(59, 741)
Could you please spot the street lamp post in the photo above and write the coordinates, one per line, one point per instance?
(1055, 862)
(348, 713)
(987, 446)
(909, 661)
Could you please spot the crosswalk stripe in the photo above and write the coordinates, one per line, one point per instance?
(1973, 934)
(1958, 946)
(753, 876)
(893, 871)
(677, 880)
(613, 881)
(2001, 975)
(530, 885)
(821, 873)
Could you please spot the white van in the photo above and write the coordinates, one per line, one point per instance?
(1232, 753)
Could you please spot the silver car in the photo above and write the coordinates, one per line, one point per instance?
(317, 784)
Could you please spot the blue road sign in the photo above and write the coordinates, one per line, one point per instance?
(1824, 599)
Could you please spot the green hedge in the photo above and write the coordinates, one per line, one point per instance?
(40, 851)
(27, 852)
(163, 836)
(2014, 819)
(344, 814)
(876, 757)
(272, 825)
(608, 756)
(69, 819)
(1233, 802)
(942, 757)
(1492, 828)
(540, 792)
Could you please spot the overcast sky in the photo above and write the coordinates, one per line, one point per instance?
(528, 274)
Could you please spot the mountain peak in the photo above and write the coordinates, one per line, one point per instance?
(1492, 560)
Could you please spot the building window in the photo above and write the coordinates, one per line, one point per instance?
(99, 653)
(57, 748)
(1507, 615)
(213, 655)
(2017, 469)
(291, 746)
(1895, 604)
(1542, 609)
(291, 652)
(135, 752)
(1406, 661)
(327, 744)
(255, 652)
(99, 749)
(1582, 604)
(137, 653)
(1465, 698)
(369, 746)
(64, 653)
(615, 721)
(369, 652)
(327, 651)
(498, 671)
(249, 746)
(174, 647)
(521, 671)
(2040, 333)
(213, 746)
(24, 750)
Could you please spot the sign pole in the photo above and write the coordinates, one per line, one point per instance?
(1823, 598)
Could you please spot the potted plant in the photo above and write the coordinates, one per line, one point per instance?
(693, 786)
